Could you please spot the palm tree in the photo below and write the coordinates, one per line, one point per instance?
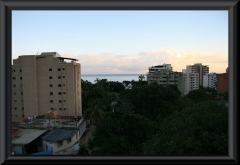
(94, 111)
(141, 77)
(97, 81)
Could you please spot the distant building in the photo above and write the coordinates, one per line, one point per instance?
(153, 69)
(222, 82)
(57, 122)
(62, 141)
(165, 77)
(43, 83)
(190, 81)
(210, 80)
(200, 69)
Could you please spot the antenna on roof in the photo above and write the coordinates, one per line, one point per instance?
(37, 53)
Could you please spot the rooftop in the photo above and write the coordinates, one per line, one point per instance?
(59, 135)
(25, 136)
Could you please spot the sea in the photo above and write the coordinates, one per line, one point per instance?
(111, 77)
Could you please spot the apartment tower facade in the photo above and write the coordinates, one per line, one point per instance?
(200, 69)
(44, 83)
(210, 80)
(163, 74)
(190, 81)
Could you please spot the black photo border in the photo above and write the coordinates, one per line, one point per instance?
(6, 7)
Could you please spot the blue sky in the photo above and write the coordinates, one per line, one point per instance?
(125, 41)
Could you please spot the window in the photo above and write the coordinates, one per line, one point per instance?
(14, 78)
(59, 85)
(14, 93)
(14, 85)
(65, 109)
(16, 115)
(21, 93)
(60, 101)
(13, 70)
(22, 100)
(22, 115)
(51, 93)
(76, 135)
(59, 93)
(50, 85)
(59, 69)
(63, 68)
(20, 70)
(69, 140)
(60, 143)
(60, 109)
(50, 77)
(22, 108)
(63, 76)
(64, 92)
(51, 101)
(52, 108)
(59, 77)
(63, 85)
(15, 108)
(15, 101)
(50, 69)
(64, 100)
(46, 147)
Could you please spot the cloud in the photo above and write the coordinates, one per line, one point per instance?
(140, 62)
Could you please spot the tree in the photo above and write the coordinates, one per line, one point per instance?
(121, 133)
(148, 99)
(82, 150)
(225, 96)
(116, 86)
(199, 95)
(95, 111)
(126, 83)
(198, 130)
(141, 77)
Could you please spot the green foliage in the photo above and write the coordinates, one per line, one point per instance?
(148, 99)
(154, 119)
(95, 111)
(198, 130)
(82, 150)
(122, 133)
(116, 87)
(199, 95)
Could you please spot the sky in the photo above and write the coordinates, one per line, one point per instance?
(125, 42)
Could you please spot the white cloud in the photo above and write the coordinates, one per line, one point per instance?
(139, 63)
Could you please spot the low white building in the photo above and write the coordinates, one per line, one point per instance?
(62, 141)
(210, 80)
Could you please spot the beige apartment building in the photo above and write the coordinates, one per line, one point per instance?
(200, 69)
(43, 83)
